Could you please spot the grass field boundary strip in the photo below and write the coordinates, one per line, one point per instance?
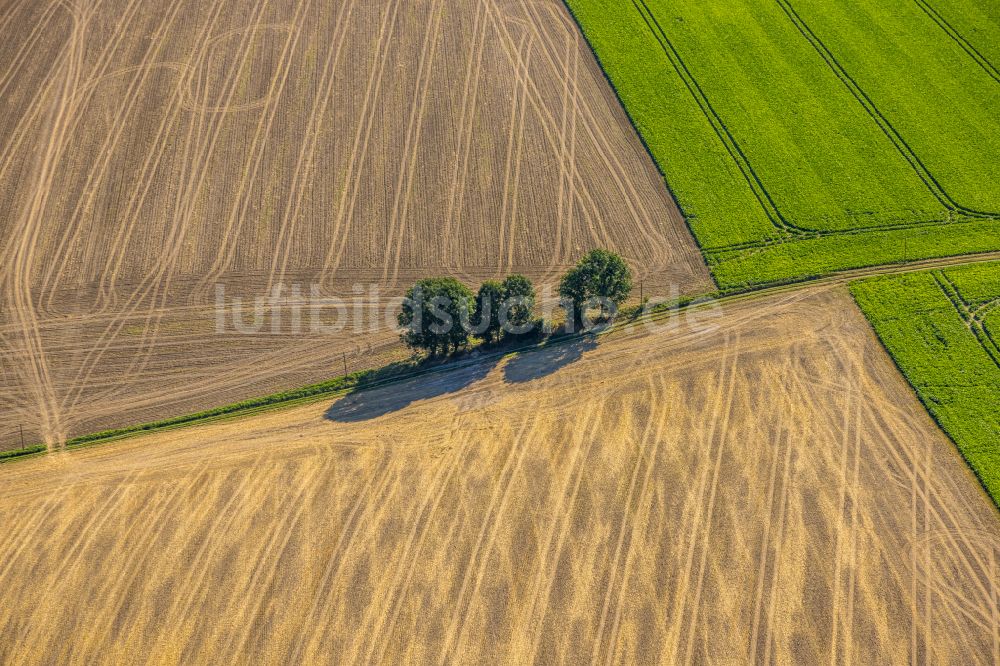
(396, 372)
(952, 32)
(730, 143)
(22, 453)
(965, 311)
(883, 123)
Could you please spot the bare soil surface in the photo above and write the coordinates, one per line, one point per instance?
(767, 489)
(150, 152)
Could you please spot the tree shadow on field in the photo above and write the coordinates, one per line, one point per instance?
(364, 404)
(531, 365)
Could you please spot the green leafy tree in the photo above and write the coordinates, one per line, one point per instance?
(489, 300)
(600, 275)
(434, 315)
(518, 304)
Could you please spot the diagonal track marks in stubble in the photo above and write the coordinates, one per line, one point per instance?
(257, 149)
(38, 101)
(85, 534)
(552, 129)
(10, 12)
(268, 560)
(550, 553)
(937, 510)
(18, 541)
(187, 194)
(19, 295)
(788, 469)
(636, 513)
(566, 203)
(104, 57)
(71, 230)
(79, 101)
(358, 515)
(693, 515)
(954, 544)
(216, 522)
(721, 435)
(485, 540)
(21, 56)
(594, 128)
(305, 163)
(766, 545)
(97, 174)
(117, 591)
(549, 124)
(411, 143)
(917, 471)
(838, 550)
(153, 283)
(512, 161)
(404, 565)
(466, 122)
(359, 149)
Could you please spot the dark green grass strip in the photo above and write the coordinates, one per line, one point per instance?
(21, 453)
(826, 254)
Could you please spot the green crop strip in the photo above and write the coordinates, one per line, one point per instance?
(786, 147)
(968, 315)
(973, 52)
(897, 139)
(764, 198)
(935, 326)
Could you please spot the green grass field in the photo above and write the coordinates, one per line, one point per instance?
(943, 328)
(802, 136)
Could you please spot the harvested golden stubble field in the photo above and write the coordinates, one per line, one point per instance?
(152, 151)
(770, 490)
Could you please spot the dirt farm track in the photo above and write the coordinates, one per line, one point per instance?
(150, 151)
(538, 509)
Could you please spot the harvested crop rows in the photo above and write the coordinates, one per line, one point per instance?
(796, 135)
(150, 153)
(767, 490)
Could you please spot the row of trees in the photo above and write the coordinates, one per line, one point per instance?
(440, 314)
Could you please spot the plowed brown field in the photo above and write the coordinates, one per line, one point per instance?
(150, 151)
(770, 490)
